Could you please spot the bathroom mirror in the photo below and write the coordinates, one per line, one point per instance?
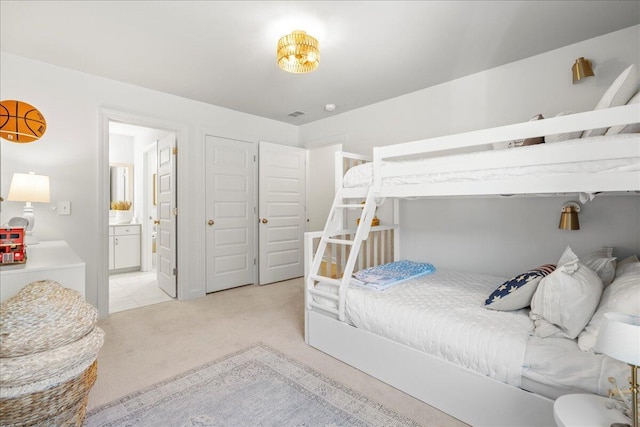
(121, 180)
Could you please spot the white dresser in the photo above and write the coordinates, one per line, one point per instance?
(52, 260)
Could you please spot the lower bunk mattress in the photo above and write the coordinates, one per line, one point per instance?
(442, 314)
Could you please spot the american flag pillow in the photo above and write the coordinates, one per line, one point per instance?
(516, 293)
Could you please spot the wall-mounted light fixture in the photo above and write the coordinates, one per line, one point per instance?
(581, 69)
(298, 52)
(569, 216)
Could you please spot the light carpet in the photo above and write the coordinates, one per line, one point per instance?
(257, 386)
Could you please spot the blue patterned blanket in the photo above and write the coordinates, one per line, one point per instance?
(383, 276)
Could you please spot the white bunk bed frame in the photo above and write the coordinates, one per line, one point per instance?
(462, 393)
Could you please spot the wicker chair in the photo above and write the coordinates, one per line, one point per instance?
(49, 342)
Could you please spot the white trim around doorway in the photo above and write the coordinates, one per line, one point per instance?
(183, 218)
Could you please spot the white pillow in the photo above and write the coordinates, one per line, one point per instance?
(628, 265)
(622, 296)
(602, 263)
(630, 128)
(562, 136)
(566, 299)
(619, 93)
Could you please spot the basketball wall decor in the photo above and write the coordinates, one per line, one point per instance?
(20, 122)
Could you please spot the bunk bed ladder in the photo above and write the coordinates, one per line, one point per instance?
(335, 227)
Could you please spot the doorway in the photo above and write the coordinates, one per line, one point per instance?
(131, 263)
(320, 184)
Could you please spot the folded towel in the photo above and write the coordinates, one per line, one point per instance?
(383, 276)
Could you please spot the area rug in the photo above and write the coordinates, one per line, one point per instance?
(257, 386)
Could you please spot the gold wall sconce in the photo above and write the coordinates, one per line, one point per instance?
(569, 216)
(581, 69)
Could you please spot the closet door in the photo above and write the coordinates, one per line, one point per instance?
(282, 212)
(230, 213)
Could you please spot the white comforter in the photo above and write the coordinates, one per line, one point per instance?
(442, 314)
(362, 175)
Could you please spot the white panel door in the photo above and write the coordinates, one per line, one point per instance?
(281, 212)
(230, 213)
(166, 227)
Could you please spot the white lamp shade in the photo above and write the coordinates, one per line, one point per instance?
(619, 337)
(29, 187)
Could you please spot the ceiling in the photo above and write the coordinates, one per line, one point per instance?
(223, 52)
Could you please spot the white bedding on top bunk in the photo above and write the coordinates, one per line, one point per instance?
(362, 175)
(442, 314)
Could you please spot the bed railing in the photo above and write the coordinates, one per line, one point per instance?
(596, 119)
(345, 161)
(438, 146)
(379, 248)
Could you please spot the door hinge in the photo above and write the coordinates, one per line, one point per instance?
(175, 271)
(175, 211)
(175, 151)
(254, 158)
(254, 261)
(255, 210)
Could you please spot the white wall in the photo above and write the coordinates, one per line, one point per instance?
(495, 235)
(121, 149)
(70, 150)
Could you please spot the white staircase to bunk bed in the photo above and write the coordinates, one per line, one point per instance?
(333, 229)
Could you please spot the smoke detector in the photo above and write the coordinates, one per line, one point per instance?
(329, 107)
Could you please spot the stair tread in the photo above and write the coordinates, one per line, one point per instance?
(349, 205)
(338, 241)
(331, 280)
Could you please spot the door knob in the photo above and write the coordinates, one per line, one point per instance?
(211, 222)
(156, 221)
(264, 220)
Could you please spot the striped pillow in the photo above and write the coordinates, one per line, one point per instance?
(516, 293)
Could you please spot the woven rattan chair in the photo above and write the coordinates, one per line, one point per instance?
(48, 348)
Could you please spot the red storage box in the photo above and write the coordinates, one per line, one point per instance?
(12, 248)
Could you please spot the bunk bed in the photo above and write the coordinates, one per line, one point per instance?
(456, 165)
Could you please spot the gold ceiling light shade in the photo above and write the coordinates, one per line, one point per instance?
(581, 69)
(298, 52)
(569, 216)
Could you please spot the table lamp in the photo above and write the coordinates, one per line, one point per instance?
(29, 188)
(619, 337)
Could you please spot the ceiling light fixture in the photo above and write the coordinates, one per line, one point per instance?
(298, 52)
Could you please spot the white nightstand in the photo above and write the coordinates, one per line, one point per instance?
(585, 410)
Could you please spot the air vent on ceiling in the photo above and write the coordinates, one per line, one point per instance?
(296, 113)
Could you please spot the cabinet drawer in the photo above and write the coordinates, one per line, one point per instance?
(126, 229)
